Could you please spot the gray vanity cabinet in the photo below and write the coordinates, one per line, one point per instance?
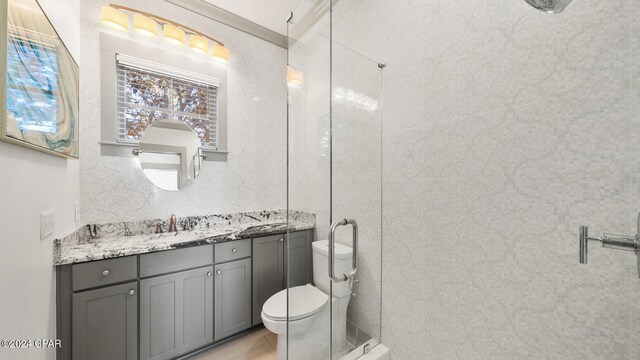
(271, 269)
(232, 298)
(298, 266)
(105, 323)
(268, 271)
(163, 305)
(176, 313)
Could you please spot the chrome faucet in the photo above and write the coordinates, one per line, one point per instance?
(172, 224)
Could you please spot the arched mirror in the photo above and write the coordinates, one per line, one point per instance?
(170, 154)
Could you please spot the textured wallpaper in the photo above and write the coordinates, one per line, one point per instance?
(114, 188)
(504, 130)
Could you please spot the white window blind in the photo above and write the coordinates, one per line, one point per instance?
(147, 92)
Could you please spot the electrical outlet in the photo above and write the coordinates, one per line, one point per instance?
(77, 213)
(47, 223)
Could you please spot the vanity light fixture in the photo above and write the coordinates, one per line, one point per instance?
(144, 25)
(174, 35)
(115, 16)
(294, 77)
(199, 44)
(220, 53)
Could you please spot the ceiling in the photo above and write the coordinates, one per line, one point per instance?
(271, 14)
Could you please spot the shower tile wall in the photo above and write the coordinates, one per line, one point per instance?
(504, 130)
(114, 188)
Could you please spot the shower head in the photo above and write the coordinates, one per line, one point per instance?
(550, 6)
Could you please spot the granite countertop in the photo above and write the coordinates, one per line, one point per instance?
(105, 241)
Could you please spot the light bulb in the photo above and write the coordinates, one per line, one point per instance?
(220, 54)
(144, 25)
(199, 44)
(114, 18)
(174, 35)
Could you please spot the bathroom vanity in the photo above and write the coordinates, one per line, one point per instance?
(163, 304)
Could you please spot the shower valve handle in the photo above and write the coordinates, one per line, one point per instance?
(612, 241)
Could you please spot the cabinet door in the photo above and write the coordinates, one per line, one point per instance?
(105, 323)
(176, 313)
(268, 271)
(299, 267)
(232, 298)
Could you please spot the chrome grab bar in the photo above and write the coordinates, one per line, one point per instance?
(332, 250)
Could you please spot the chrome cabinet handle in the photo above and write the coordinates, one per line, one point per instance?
(234, 250)
(281, 239)
(218, 272)
(209, 273)
(131, 292)
(332, 250)
(105, 273)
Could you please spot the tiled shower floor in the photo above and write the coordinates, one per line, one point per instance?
(257, 344)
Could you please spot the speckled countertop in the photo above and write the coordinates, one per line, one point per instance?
(105, 241)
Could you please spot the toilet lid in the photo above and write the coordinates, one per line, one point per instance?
(304, 301)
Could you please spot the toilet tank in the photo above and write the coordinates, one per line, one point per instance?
(343, 256)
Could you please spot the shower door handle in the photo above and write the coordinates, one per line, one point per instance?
(332, 250)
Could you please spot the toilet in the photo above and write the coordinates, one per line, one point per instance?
(309, 327)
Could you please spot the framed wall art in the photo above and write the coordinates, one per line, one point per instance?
(39, 98)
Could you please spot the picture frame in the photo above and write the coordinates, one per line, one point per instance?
(39, 97)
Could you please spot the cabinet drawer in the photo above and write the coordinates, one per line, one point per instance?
(232, 250)
(175, 260)
(103, 272)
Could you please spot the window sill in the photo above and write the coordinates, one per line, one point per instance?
(124, 150)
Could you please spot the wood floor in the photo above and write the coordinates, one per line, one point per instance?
(257, 344)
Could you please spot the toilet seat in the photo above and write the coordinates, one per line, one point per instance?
(305, 301)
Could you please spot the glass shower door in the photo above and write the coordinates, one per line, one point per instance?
(356, 192)
(334, 172)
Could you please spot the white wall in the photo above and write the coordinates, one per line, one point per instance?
(32, 182)
(505, 129)
(114, 188)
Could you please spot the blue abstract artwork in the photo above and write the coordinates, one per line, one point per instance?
(32, 75)
(41, 83)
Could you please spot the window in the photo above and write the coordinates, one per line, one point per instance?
(162, 83)
(147, 92)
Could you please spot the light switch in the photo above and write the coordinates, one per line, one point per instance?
(47, 223)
